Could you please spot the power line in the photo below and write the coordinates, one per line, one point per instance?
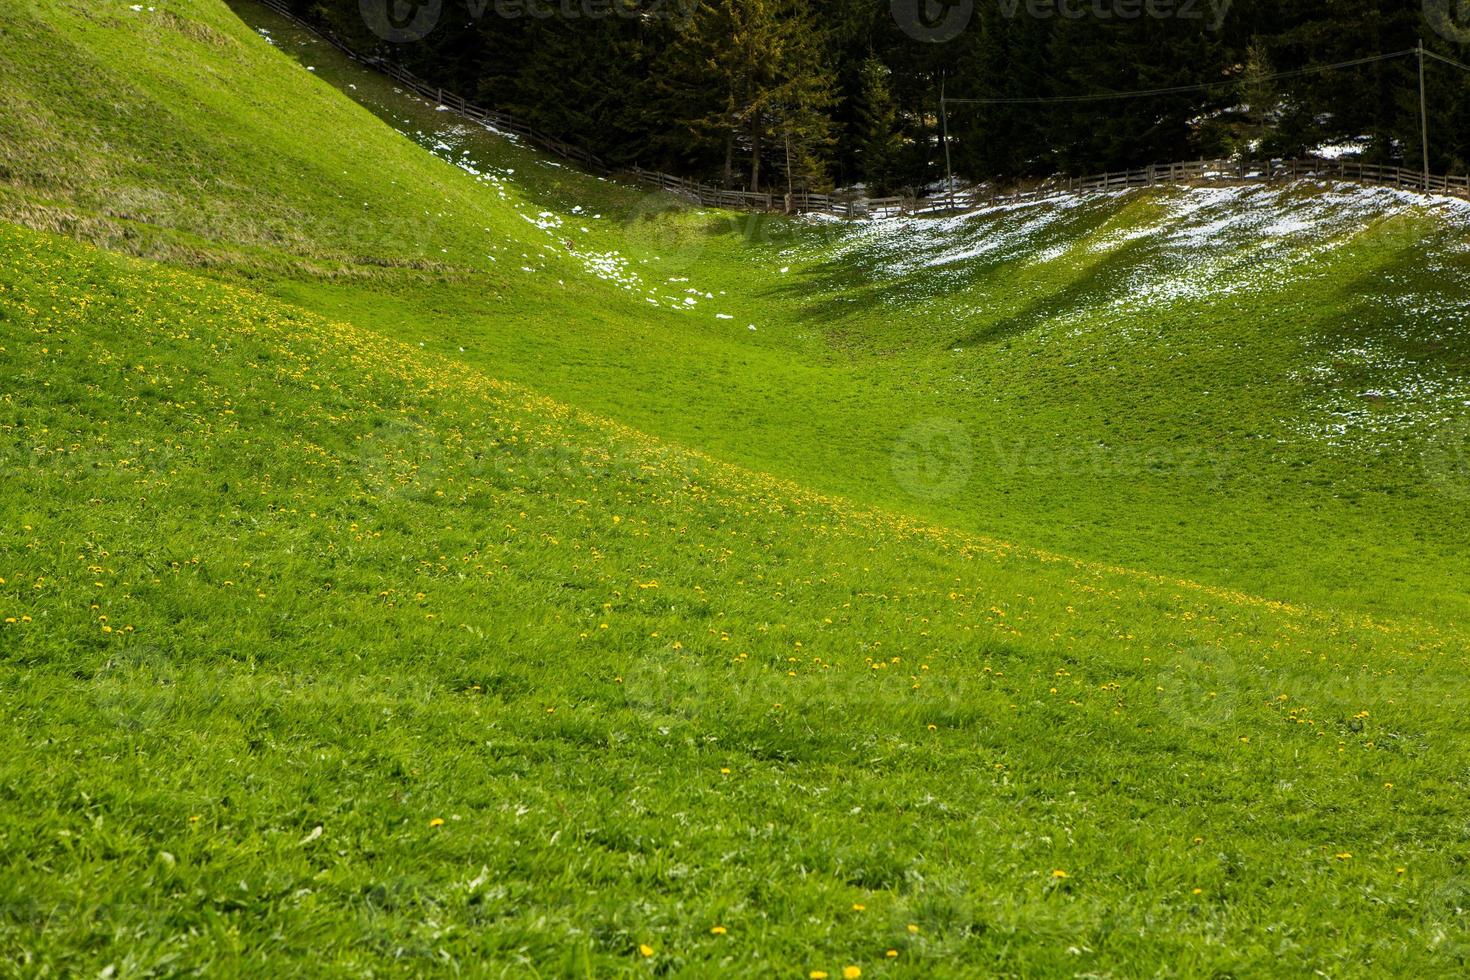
(1439, 57)
(1201, 87)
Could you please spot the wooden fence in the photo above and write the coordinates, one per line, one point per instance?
(855, 206)
(1192, 172)
(705, 194)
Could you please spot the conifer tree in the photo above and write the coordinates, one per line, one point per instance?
(1259, 95)
(734, 89)
(747, 74)
(878, 139)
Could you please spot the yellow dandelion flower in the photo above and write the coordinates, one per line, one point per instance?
(1344, 855)
(892, 954)
(858, 907)
(437, 822)
(1059, 873)
(851, 972)
(645, 949)
(913, 929)
(718, 930)
(818, 975)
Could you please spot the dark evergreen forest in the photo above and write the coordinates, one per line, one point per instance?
(753, 93)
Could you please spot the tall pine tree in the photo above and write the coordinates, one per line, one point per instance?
(878, 140)
(750, 78)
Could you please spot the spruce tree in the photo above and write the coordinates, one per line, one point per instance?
(1259, 96)
(878, 139)
(751, 76)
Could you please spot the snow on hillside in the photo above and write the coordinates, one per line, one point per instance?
(562, 232)
(1177, 246)
(1193, 218)
(1201, 246)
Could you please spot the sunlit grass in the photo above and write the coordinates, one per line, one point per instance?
(398, 575)
(264, 573)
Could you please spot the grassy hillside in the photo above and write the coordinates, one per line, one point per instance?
(1223, 387)
(416, 556)
(265, 574)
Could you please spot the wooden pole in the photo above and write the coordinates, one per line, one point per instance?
(944, 125)
(788, 168)
(1423, 117)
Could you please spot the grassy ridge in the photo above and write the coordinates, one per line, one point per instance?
(317, 579)
(493, 267)
(1093, 407)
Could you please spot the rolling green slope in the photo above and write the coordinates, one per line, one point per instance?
(418, 556)
(279, 596)
(1187, 382)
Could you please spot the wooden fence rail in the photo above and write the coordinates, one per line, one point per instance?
(854, 206)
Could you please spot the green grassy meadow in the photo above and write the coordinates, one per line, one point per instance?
(418, 557)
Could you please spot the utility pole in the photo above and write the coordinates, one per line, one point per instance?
(944, 125)
(788, 167)
(1423, 118)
